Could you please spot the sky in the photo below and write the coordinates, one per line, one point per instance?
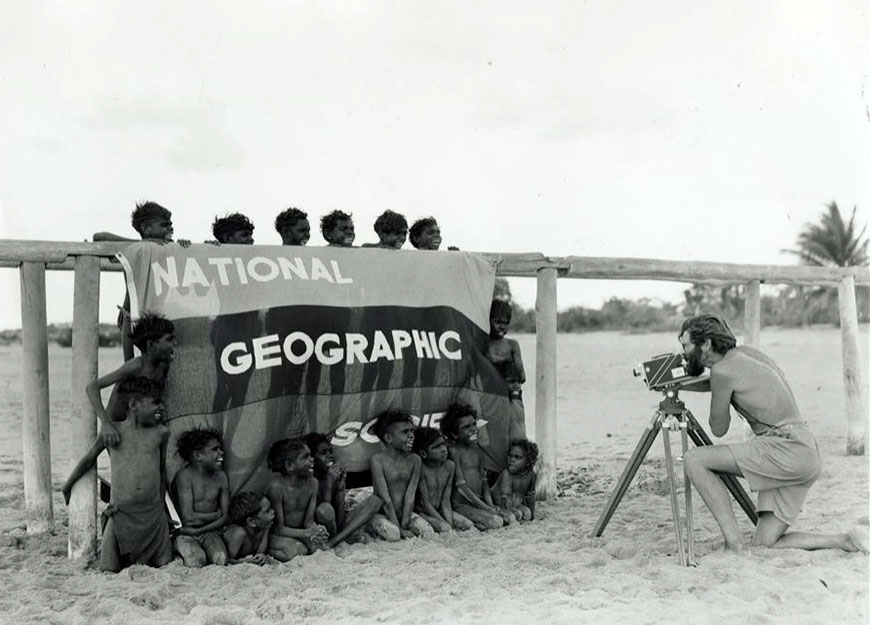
(678, 130)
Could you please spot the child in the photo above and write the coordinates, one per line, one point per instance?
(395, 475)
(504, 354)
(471, 497)
(234, 228)
(425, 234)
(337, 229)
(247, 535)
(137, 530)
(154, 335)
(436, 482)
(331, 511)
(392, 230)
(292, 224)
(515, 489)
(293, 496)
(201, 491)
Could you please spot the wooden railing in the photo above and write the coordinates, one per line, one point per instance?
(32, 258)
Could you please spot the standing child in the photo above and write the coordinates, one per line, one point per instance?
(293, 496)
(292, 224)
(471, 496)
(247, 535)
(515, 489)
(201, 490)
(154, 335)
(392, 230)
(137, 530)
(337, 229)
(436, 482)
(504, 354)
(395, 475)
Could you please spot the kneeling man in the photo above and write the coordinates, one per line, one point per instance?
(780, 462)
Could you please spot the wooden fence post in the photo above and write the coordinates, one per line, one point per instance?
(853, 380)
(545, 383)
(82, 538)
(36, 429)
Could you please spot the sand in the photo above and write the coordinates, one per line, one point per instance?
(549, 570)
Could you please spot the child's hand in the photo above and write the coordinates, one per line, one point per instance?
(213, 242)
(506, 515)
(318, 535)
(259, 559)
(335, 475)
(184, 242)
(406, 533)
(110, 435)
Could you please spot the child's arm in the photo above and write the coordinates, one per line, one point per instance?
(487, 496)
(319, 534)
(518, 361)
(462, 489)
(411, 491)
(446, 508)
(424, 503)
(84, 465)
(501, 492)
(194, 522)
(276, 498)
(529, 496)
(335, 489)
(164, 484)
(92, 390)
(379, 481)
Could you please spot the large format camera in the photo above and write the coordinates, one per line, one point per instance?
(664, 371)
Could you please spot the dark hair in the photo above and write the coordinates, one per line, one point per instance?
(329, 221)
(419, 226)
(243, 506)
(530, 449)
(288, 217)
(224, 227)
(450, 421)
(387, 420)
(138, 388)
(390, 222)
(196, 440)
(313, 439)
(500, 308)
(148, 211)
(150, 327)
(287, 449)
(424, 438)
(709, 326)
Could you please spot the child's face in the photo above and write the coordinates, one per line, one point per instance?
(324, 457)
(400, 436)
(296, 233)
(437, 451)
(466, 429)
(158, 229)
(516, 460)
(341, 235)
(429, 238)
(265, 515)
(211, 456)
(148, 411)
(303, 465)
(394, 239)
(240, 237)
(498, 326)
(164, 347)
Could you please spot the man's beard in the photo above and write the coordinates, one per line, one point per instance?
(693, 363)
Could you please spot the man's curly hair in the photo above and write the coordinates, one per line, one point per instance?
(148, 211)
(224, 227)
(196, 440)
(150, 327)
(709, 326)
(243, 506)
(288, 217)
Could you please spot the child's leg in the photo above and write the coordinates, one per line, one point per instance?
(525, 513)
(420, 526)
(284, 549)
(385, 529)
(191, 551)
(439, 525)
(357, 518)
(460, 522)
(110, 554)
(215, 548)
(482, 519)
(324, 514)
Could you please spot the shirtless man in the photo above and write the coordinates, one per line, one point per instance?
(781, 462)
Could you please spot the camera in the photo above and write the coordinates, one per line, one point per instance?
(664, 371)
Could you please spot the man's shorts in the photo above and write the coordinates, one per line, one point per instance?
(780, 466)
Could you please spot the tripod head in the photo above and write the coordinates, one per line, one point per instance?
(671, 404)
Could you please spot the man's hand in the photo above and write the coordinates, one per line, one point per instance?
(110, 435)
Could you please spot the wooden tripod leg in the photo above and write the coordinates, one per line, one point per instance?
(675, 506)
(687, 485)
(637, 456)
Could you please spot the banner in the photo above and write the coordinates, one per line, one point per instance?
(275, 342)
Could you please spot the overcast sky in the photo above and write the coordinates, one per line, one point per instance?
(679, 130)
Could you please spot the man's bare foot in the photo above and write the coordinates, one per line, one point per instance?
(856, 540)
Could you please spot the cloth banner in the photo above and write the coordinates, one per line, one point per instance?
(275, 342)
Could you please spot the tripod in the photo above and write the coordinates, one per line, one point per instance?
(671, 415)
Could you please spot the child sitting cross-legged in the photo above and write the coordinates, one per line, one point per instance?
(515, 488)
(247, 534)
(293, 495)
(436, 482)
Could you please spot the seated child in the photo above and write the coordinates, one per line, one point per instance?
(392, 230)
(337, 229)
(293, 495)
(425, 234)
(515, 488)
(201, 491)
(292, 224)
(247, 534)
(233, 229)
(154, 335)
(471, 496)
(436, 482)
(504, 354)
(137, 530)
(341, 522)
(395, 475)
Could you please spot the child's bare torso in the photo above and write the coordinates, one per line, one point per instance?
(397, 473)
(294, 498)
(250, 542)
(206, 490)
(470, 461)
(520, 485)
(437, 480)
(135, 464)
(501, 354)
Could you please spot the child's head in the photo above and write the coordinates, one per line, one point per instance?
(250, 509)
(425, 234)
(392, 229)
(203, 447)
(395, 429)
(499, 318)
(152, 221)
(522, 456)
(233, 228)
(140, 398)
(154, 335)
(292, 224)
(430, 445)
(459, 423)
(290, 456)
(321, 449)
(337, 229)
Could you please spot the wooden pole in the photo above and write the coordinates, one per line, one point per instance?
(545, 382)
(82, 538)
(36, 430)
(853, 380)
